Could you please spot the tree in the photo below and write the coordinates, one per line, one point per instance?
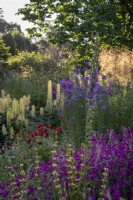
(6, 27)
(42, 45)
(4, 51)
(14, 38)
(78, 22)
(10, 42)
(23, 43)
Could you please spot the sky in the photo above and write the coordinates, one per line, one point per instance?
(10, 7)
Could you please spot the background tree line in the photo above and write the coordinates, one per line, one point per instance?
(13, 40)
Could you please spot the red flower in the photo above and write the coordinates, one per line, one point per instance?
(40, 133)
(33, 135)
(3, 151)
(58, 129)
(18, 134)
(40, 143)
(46, 132)
(49, 126)
(28, 140)
(40, 125)
(9, 144)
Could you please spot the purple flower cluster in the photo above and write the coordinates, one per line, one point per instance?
(113, 151)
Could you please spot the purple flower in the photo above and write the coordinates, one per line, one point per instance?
(104, 76)
(87, 64)
(84, 69)
(104, 108)
(116, 195)
(76, 71)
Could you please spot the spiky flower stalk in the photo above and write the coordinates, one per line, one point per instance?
(95, 66)
(41, 111)
(11, 132)
(55, 172)
(37, 181)
(49, 104)
(14, 193)
(8, 117)
(8, 98)
(89, 125)
(23, 181)
(15, 107)
(33, 110)
(55, 103)
(6, 103)
(29, 99)
(104, 184)
(22, 105)
(83, 164)
(62, 101)
(25, 101)
(71, 170)
(58, 95)
(26, 122)
(20, 120)
(1, 107)
(3, 94)
(4, 131)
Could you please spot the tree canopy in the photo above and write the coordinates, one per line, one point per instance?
(79, 21)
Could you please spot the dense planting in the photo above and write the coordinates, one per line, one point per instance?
(81, 169)
(66, 130)
(79, 141)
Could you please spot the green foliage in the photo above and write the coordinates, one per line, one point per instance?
(78, 22)
(4, 51)
(37, 61)
(44, 151)
(52, 118)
